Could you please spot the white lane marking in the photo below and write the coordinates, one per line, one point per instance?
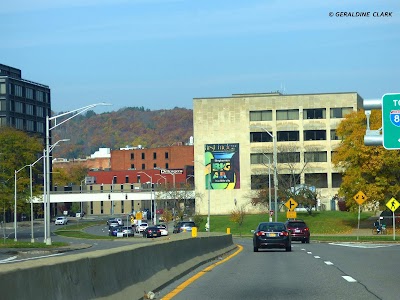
(302, 249)
(349, 279)
(309, 252)
(363, 246)
(317, 256)
(328, 263)
(8, 259)
(31, 258)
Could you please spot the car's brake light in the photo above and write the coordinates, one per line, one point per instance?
(260, 233)
(306, 229)
(284, 233)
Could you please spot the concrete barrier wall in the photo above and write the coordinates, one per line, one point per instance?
(118, 273)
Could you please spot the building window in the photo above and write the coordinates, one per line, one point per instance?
(39, 111)
(122, 207)
(2, 88)
(101, 206)
(133, 166)
(289, 157)
(261, 158)
(143, 166)
(317, 113)
(30, 125)
(3, 105)
(39, 127)
(154, 166)
(314, 135)
(286, 136)
(39, 96)
(29, 93)
(289, 114)
(29, 109)
(340, 112)
(336, 180)
(101, 188)
(261, 181)
(3, 121)
(166, 155)
(47, 97)
(114, 180)
(319, 180)
(19, 123)
(287, 181)
(19, 107)
(154, 155)
(259, 137)
(91, 188)
(143, 155)
(166, 165)
(126, 179)
(18, 91)
(138, 178)
(91, 207)
(334, 137)
(261, 115)
(132, 155)
(319, 156)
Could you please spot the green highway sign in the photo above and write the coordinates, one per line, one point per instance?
(391, 121)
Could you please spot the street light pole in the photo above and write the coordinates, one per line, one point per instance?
(275, 154)
(269, 186)
(74, 113)
(151, 197)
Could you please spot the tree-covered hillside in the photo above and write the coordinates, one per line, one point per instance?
(126, 127)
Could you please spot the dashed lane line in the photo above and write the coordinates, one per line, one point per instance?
(13, 260)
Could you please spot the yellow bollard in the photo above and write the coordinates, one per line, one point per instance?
(194, 232)
(228, 230)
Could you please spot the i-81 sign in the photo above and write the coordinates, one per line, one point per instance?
(391, 121)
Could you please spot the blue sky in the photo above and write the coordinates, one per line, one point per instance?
(161, 54)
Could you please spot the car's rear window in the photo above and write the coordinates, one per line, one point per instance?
(273, 227)
(297, 224)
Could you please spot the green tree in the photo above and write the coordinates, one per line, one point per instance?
(371, 169)
(237, 216)
(17, 150)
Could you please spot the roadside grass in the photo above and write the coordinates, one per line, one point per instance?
(326, 222)
(7, 243)
(77, 231)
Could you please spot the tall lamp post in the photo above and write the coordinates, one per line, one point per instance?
(275, 154)
(151, 197)
(269, 185)
(15, 201)
(74, 113)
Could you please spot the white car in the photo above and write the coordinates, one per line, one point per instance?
(142, 227)
(61, 221)
(163, 229)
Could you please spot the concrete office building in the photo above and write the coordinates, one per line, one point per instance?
(234, 135)
(23, 104)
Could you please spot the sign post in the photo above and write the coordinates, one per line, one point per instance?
(391, 121)
(359, 198)
(393, 204)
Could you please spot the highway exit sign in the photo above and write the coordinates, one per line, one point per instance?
(391, 121)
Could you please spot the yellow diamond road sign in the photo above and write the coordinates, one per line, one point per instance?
(360, 197)
(393, 204)
(291, 204)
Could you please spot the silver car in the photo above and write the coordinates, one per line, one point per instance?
(61, 221)
(127, 231)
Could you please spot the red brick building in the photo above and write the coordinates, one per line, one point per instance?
(171, 157)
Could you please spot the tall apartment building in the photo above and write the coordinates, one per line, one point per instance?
(236, 135)
(23, 104)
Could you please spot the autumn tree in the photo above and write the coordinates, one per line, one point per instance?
(73, 174)
(371, 169)
(17, 151)
(237, 216)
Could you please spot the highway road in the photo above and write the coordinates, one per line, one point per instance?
(310, 271)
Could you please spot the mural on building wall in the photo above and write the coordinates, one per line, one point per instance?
(222, 166)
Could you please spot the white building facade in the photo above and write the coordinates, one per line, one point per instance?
(233, 146)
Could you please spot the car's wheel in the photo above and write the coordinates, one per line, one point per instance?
(255, 249)
(303, 241)
(308, 240)
(289, 248)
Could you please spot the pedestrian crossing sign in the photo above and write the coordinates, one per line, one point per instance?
(393, 204)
